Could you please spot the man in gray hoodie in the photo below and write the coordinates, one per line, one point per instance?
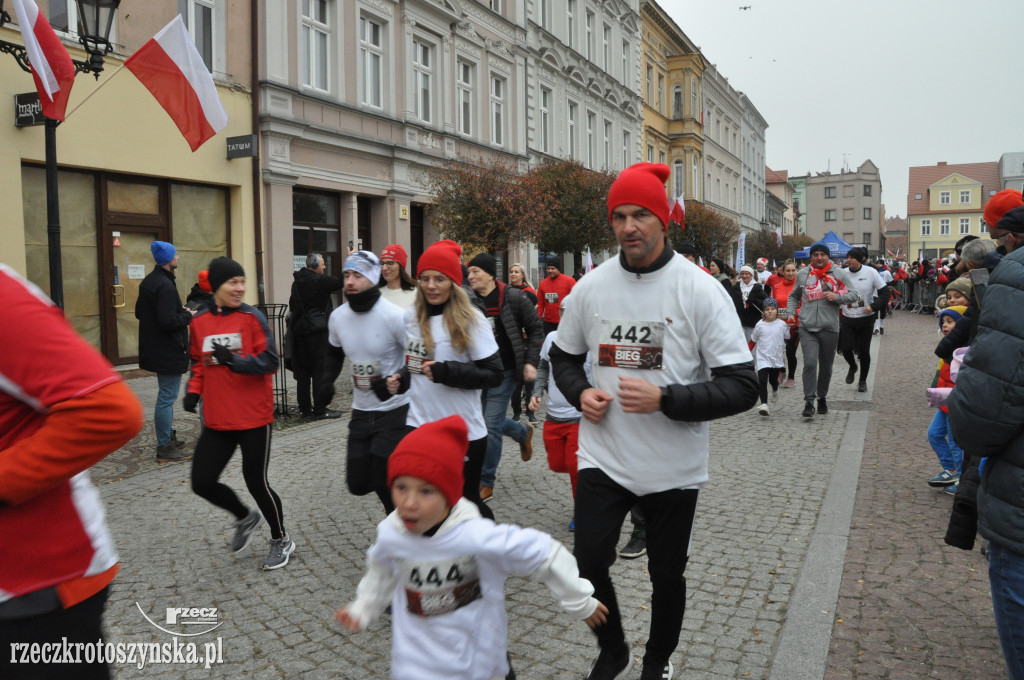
(818, 292)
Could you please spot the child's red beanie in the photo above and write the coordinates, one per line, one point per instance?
(435, 453)
(442, 256)
(642, 184)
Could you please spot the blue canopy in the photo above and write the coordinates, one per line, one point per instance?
(837, 247)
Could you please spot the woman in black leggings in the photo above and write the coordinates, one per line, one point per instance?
(234, 360)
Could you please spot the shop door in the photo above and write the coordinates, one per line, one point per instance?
(127, 261)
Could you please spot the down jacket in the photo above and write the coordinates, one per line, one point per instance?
(519, 316)
(986, 409)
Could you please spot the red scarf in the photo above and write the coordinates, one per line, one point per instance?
(821, 277)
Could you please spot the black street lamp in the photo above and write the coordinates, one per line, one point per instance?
(96, 17)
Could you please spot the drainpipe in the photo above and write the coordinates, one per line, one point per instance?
(254, 89)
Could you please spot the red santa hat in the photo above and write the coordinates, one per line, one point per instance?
(435, 453)
(642, 184)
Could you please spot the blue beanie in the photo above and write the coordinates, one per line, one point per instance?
(163, 252)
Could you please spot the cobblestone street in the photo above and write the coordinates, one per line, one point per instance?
(818, 550)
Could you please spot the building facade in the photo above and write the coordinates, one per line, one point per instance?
(1011, 171)
(723, 165)
(799, 185)
(945, 203)
(752, 138)
(848, 203)
(126, 175)
(673, 128)
(777, 185)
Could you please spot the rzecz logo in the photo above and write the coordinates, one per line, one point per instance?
(188, 618)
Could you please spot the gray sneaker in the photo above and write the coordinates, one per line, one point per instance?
(170, 453)
(244, 530)
(280, 549)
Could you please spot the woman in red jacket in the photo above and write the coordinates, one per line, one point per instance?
(780, 291)
(234, 360)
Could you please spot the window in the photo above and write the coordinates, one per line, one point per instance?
(830, 215)
(830, 192)
(625, 61)
(423, 69)
(965, 226)
(693, 178)
(545, 119)
(983, 227)
(661, 93)
(314, 43)
(867, 213)
(371, 57)
(848, 236)
(917, 197)
(607, 144)
(496, 6)
(464, 101)
(965, 196)
(570, 16)
(606, 47)
(693, 99)
(650, 85)
(497, 110)
(847, 191)
(867, 238)
(661, 156)
(590, 36)
(944, 198)
(926, 227)
(591, 124)
(572, 129)
(677, 179)
(677, 102)
(542, 9)
(198, 18)
(625, 149)
(867, 189)
(650, 154)
(944, 226)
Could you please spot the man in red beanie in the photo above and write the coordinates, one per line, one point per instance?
(660, 329)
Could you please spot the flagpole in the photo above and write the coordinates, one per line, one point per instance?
(98, 88)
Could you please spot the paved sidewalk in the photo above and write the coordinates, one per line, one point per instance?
(769, 563)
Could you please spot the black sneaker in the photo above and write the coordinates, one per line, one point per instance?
(808, 409)
(636, 546)
(862, 386)
(822, 407)
(170, 453)
(851, 375)
(881, 331)
(530, 416)
(657, 672)
(326, 414)
(179, 443)
(610, 667)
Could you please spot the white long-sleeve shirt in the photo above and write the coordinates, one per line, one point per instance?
(770, 347)
(447, 592)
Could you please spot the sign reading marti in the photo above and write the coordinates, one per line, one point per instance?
(27, 110)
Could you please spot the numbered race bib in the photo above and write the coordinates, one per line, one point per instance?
(436, 588)
(415, 354)
(632, 344)
(365, 373)
(233, 341)
(551, 298)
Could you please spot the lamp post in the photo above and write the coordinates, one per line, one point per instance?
(96, 17)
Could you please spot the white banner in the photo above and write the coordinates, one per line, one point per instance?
(741, 250)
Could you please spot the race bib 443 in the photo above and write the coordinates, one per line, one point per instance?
(632, 344)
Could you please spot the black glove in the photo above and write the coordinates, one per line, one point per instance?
(222, 354)
(190, 402)
(380, 388)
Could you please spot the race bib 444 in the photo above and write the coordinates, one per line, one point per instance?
(632, 344)
(433, 588)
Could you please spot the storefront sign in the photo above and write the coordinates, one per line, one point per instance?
(27, 110)
(242, 147)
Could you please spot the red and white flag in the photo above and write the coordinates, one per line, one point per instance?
(677, 211)
(590, 263)
(51, 64)
(170, 67)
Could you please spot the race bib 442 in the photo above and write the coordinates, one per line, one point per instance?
(632, 344)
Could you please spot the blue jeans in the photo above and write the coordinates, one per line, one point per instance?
(1006, 576)
(951, 456)
(498, 424)
(169, 386)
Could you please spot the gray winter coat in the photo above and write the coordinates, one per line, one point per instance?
(820, 315)
(986, 408)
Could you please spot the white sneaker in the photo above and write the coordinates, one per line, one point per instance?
(280, 550)
(775, 396)
(763, 410)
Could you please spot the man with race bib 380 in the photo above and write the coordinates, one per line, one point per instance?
(659, 329)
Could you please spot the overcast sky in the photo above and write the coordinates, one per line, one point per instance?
(902, 82)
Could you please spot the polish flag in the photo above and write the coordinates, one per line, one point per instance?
(590, 263)
(172, 70)
(677, 211)
(51, 64)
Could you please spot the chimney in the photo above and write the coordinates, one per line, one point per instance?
(942, 163)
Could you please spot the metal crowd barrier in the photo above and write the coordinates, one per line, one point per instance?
(923, 299)
(275, 319)
(900, 287)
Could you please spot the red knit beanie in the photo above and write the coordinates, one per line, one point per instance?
(435, 453)
(1001, 203)
(395, 253)
(642, 184)
(442, 256)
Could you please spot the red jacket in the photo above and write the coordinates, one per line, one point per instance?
(240, 397)
(550, 293)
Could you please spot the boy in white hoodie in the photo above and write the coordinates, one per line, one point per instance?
(442, 567)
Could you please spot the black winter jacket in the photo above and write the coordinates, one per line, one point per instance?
(986, 408)
(312, 291)
(753, 310)
(967, 326)
(517, 315)
(163, 325)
